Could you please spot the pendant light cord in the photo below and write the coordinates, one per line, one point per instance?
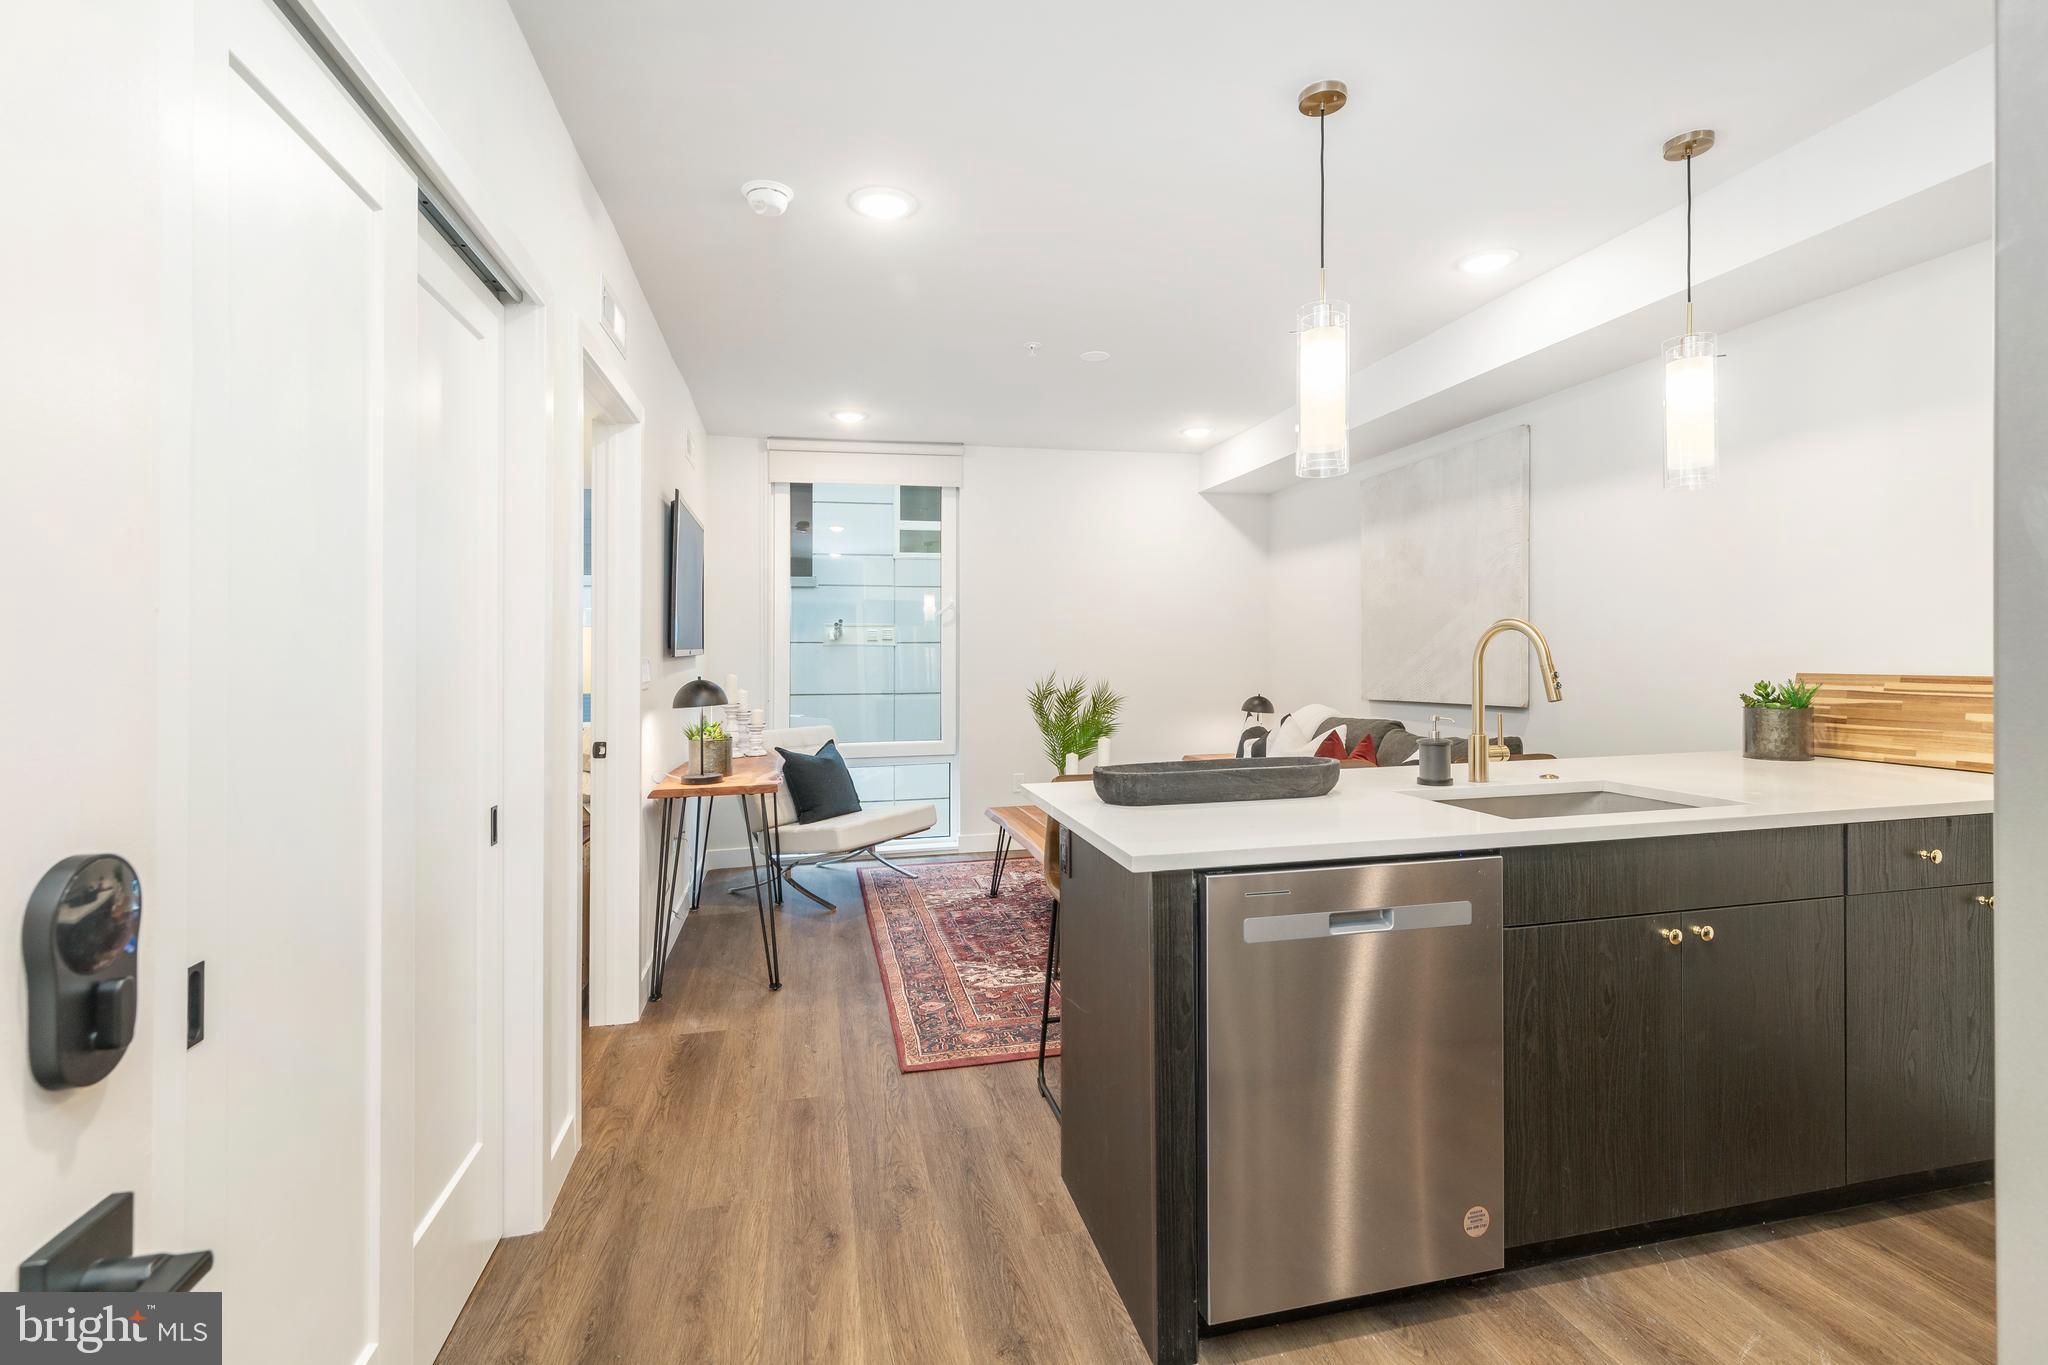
(1688, 238)
(1322, 207)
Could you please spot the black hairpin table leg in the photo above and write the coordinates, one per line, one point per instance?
(668, 877)
(761, 905)
(701, 840)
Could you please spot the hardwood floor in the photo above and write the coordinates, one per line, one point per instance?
(759, 1183)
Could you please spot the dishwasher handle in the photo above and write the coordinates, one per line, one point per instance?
(1341, 923)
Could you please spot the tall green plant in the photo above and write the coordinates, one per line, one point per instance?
(1072, 717)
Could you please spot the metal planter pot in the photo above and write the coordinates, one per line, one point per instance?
(1784, 734)
(711, 755)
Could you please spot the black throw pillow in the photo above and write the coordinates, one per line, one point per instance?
(820, 787)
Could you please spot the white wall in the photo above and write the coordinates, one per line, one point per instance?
(1108, 563)
(1850, 530)
(2020, 952)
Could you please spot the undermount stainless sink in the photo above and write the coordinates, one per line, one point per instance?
(1541, 804)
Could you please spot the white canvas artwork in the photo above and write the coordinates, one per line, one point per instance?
(1446, 542)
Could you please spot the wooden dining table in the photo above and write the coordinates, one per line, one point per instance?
(755, 781)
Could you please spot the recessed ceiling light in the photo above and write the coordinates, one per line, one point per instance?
(850, 417)
(1486, 262)
(1194, 433)
(1095, 357)
(879, 201)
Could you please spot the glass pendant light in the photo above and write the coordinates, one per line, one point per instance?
(1322, 331)
(1689, 452)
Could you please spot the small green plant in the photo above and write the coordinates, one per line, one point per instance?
(1785, 696)
(1072, 717)
(706, 729)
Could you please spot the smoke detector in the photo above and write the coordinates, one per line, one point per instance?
(767, 198)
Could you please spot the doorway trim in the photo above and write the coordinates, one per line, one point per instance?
(617, 976)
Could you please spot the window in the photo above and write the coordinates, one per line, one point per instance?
(865, 640)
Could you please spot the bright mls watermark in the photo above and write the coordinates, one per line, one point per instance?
(169, 1329)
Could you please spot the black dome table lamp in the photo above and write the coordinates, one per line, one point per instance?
(1252, 743)
(700, 693)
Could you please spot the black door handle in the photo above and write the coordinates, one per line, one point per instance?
(159, 1274)
(95, 1255)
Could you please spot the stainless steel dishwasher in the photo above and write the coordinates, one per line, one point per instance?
(1353, 1080)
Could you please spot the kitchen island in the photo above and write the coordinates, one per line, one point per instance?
(1731, 988)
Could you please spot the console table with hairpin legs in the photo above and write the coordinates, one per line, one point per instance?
(755, 781)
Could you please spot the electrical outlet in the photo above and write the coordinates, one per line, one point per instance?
(1016, 784)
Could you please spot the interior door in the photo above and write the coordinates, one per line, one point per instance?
(458, 982)
(289, 609)
(78, 553)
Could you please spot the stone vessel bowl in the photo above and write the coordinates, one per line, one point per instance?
(1215, 779)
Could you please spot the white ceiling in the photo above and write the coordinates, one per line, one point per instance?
(1091, 177)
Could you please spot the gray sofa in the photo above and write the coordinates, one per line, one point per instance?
(1393, 741)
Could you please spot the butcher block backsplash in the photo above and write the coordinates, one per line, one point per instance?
(1926, 720)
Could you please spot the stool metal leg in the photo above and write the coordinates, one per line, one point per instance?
(1046, 1018)
(995, 879)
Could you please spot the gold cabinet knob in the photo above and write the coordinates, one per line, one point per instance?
(1988, 902)
(1932, 855)
(1672, 936)
(1705, 931)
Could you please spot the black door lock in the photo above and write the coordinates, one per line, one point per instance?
(79, 943)
(95, 1255)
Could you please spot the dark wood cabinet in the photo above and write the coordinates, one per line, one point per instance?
(1762, 1052)
(1900, 855)
(1648, 1079)
(1558, 882)
(1592, 1096)
(1919, 1031)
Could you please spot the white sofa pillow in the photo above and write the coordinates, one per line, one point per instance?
(1296, 735)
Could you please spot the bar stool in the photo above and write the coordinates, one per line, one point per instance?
(1046, 1018)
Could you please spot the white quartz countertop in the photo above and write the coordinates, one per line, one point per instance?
(1378, 813)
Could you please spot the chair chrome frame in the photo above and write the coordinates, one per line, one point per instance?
(786, 870)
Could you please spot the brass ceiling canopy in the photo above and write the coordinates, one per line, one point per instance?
(1684, 147)
(1327, 97)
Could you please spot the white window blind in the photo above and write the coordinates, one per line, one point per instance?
(814, 462)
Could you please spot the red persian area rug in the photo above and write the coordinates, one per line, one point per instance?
(963, 975)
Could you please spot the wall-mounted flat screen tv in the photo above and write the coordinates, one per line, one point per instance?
(685, 580)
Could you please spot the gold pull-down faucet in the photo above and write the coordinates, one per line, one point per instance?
(1553, 688)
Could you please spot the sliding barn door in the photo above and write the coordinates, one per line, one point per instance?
(458, 1032)
(289, 624)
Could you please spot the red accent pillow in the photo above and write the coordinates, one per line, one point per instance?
(1366, 752)
(1332, 745)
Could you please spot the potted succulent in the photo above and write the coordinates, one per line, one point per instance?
(1072, 717)
(710, 748)
(1777, 721)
